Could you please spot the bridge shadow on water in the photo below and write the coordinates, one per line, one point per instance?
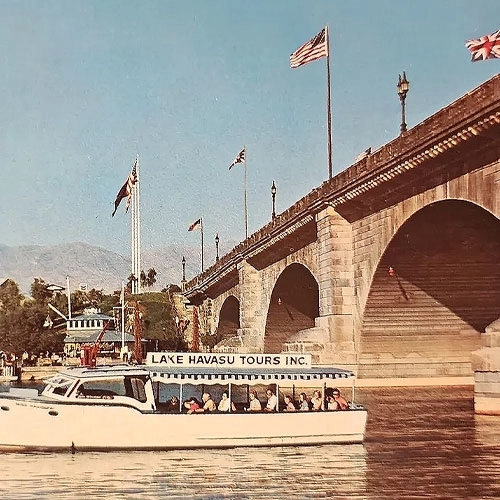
(427, 443)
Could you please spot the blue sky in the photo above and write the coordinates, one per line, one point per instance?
(88, 85)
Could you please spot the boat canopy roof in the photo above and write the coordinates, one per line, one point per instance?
(214, 375)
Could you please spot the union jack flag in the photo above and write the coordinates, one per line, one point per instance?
(126, 189)
(316, 48)
(486, 47)
(240, 158)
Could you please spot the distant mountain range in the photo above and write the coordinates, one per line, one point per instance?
(97, 267)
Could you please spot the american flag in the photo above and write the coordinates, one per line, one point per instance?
(126, 189)
(316, 48)
(195, 225)
(486, 47)
(240, 158)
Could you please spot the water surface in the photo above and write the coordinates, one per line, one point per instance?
(420, 443)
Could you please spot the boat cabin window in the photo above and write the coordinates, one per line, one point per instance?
(132, 387)
(58, 385)
(136, 388)
(101, 388)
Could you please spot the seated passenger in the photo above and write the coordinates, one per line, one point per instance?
(316, 401)
(208, 403)
(272, 401)
(331, 404)
(341, 402)
(254, 402)
(191, 405)
(172, 404)
(289, 406)
(303, 403)
(225, 403)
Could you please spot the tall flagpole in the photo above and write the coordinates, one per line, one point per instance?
(245, 182)
(122, 299)
(132, 240)
(136, 234)
(69, 297)
(201, 228)
(329, 107)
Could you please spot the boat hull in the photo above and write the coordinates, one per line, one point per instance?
(35, 424)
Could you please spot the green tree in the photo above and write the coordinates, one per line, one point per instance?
(210, 339)
(22, 329)
(158, 321)
(148, 280)
(143, 279)
(131, 279)
(39, 291)
(60, 302)
(10, 296)
(151, 278)
(79, 301)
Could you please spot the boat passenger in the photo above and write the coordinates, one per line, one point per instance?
(272, 401)
(341, 402)
(303, 403)
(225, 403)
(289, 406)
(191, 405)
(208, 403)
(254, 402)
(173, 404)
(331, 404)
(316, 401)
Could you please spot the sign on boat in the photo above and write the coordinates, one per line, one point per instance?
(142, 407)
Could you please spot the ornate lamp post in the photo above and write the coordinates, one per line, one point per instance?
(273, 194)
(403, 87)
(183, 269)
(216, 247)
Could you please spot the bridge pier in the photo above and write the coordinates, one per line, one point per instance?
(486, 366)
(336, 287)
(252, 318)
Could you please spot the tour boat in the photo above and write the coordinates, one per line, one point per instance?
(123, 407)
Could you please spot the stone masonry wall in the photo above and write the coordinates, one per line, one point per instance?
(372, 235)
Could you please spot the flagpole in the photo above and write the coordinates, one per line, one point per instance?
(245, 183)
(132, 242)
(135, 233)
(69, 296)
(328, 100)
(122, 297)
(201, 227)
(138, 231)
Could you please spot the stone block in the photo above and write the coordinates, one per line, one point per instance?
(486, 359)
(491, 338)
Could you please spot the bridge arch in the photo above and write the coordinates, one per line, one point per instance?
(229, 318)
(293, 306)
(435, 289)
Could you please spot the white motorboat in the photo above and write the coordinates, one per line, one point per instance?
(123, 407)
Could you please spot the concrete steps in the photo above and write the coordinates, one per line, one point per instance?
(284, 321)
(424, 321)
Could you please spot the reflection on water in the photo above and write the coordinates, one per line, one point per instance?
(421, 443)
(424, 443)
(236, 473)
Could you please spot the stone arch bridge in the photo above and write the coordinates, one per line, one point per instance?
(392, 267)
